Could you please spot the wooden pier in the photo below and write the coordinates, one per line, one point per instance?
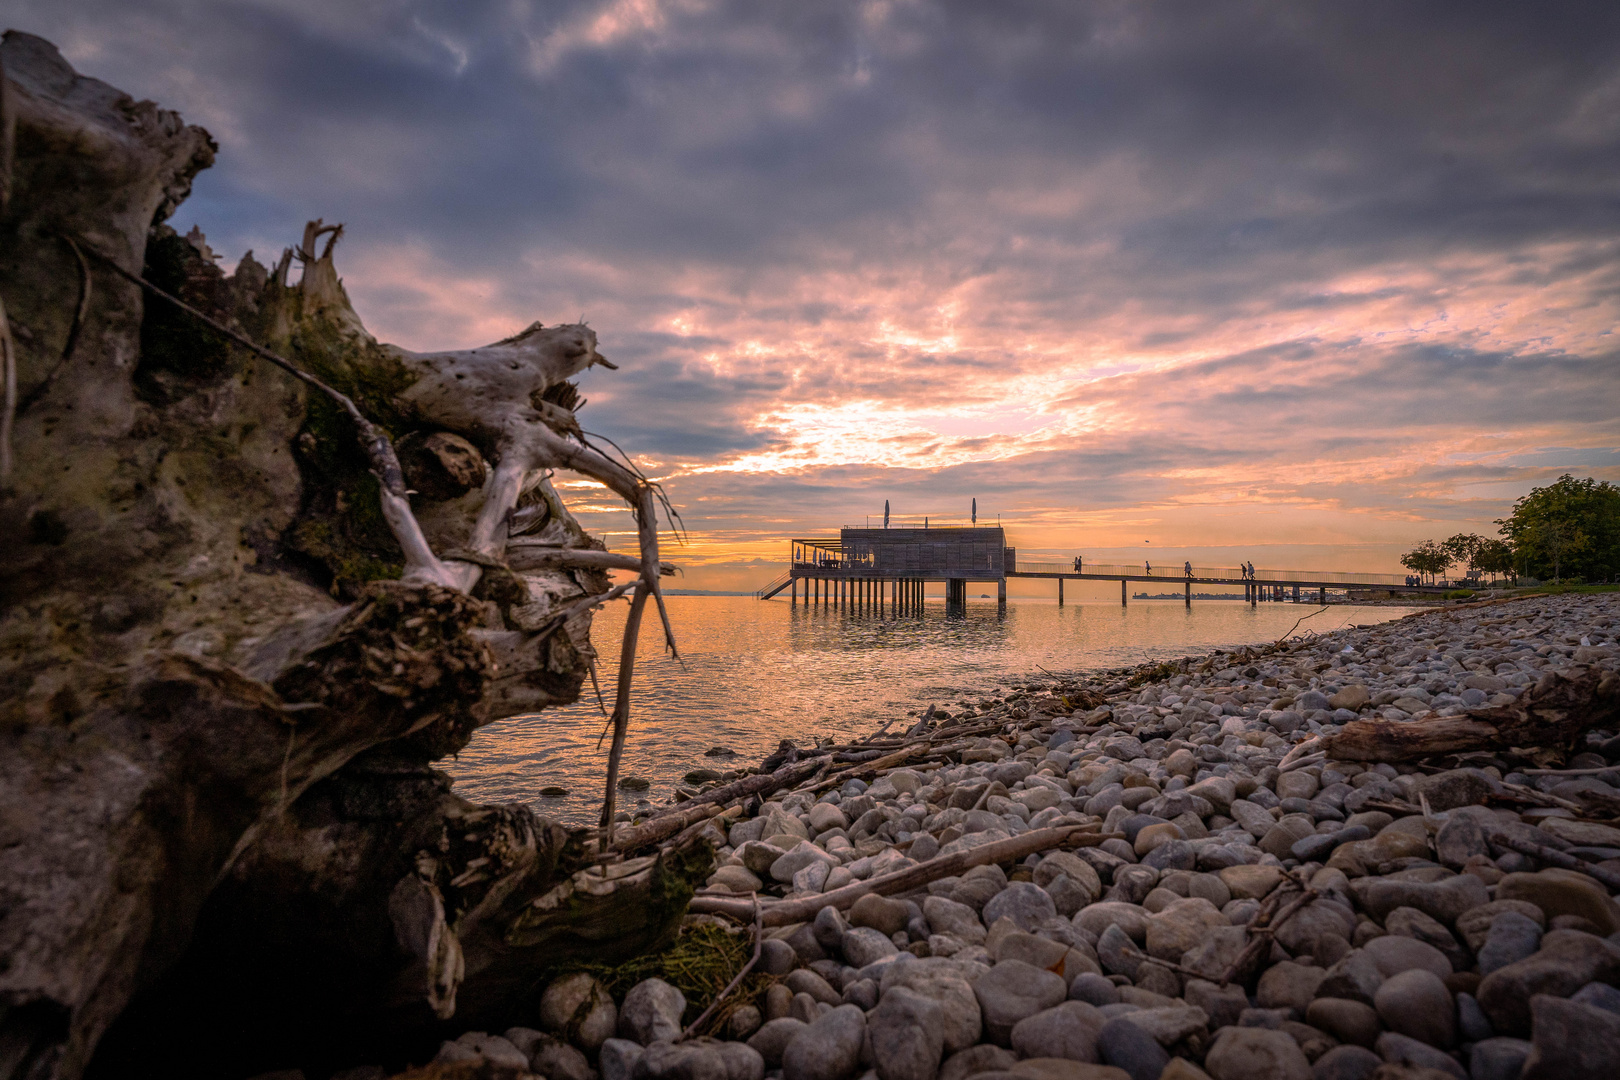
(889, 569)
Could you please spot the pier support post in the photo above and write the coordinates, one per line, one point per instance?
(1060, 592)
(1001, 591)
(1296, 594)
(1189, 592)
(1122, 593)
(1321, 594)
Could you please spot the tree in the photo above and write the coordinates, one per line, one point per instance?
(1495, 557)
(1428, 558)
(1464, 548)
(1571, 525)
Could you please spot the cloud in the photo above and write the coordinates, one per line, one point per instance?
(1094, 263)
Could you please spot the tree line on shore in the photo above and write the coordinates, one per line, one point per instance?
(1568, 531)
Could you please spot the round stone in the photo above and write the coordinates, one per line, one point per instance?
(829, 1049)
(906, 1036)
(1348, 1063)
(772, 1039)
(1242, 1053)
(580, 1010)
(880, 913)
(1122, 1044)
(1024, 902)
(1067, 1031)
(1094, 989)
(1346, 1020)
(1393, 954)
(652, 1012)
(1416, 1003)
(1012, 991)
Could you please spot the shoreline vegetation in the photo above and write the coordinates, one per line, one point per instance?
(1196, 868)
(1568, 531)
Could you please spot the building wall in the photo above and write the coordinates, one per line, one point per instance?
(972, 553)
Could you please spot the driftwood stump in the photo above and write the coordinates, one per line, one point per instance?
(1553, 714)
(234, 643)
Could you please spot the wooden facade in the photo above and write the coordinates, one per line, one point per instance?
(975, 554)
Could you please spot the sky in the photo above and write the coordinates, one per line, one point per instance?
(1297, 283)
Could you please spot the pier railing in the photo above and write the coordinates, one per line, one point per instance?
(1177, 572)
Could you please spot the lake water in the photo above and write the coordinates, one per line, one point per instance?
(758, 672)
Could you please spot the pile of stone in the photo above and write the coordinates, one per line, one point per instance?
(1416, 947)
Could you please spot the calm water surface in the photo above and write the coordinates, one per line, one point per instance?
(758, 672)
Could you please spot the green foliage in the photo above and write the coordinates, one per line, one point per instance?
(1559, 590)
(1464, 548)
(703, 959)
(1460, 594)
(1568, 529)
(1495, 558)
(1428, 558)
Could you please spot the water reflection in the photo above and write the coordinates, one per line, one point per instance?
(757, 672)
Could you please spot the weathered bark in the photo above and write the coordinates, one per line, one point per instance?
(1553, 714)
(203, 637)
(464, 911)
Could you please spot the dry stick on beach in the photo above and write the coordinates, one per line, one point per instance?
(1264, 925)
(1554, 857)
(804, 908)
(677, 818)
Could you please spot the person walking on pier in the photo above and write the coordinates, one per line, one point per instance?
(1188, 567)
(1148, 566)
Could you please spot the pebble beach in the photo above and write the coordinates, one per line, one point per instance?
(1208, 905)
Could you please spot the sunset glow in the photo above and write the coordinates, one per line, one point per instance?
(1306, 289)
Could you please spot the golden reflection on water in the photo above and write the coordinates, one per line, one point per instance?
(758, 672)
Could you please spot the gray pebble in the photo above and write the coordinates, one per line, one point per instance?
(1498, 1058)
(1124, 1045)
(829, 1049)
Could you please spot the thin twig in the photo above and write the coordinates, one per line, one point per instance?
(1264, 925)
(1568, 772)
(621, 714)
(1554, 857)
(759, 944)
(1301, 619)
(596, 686)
